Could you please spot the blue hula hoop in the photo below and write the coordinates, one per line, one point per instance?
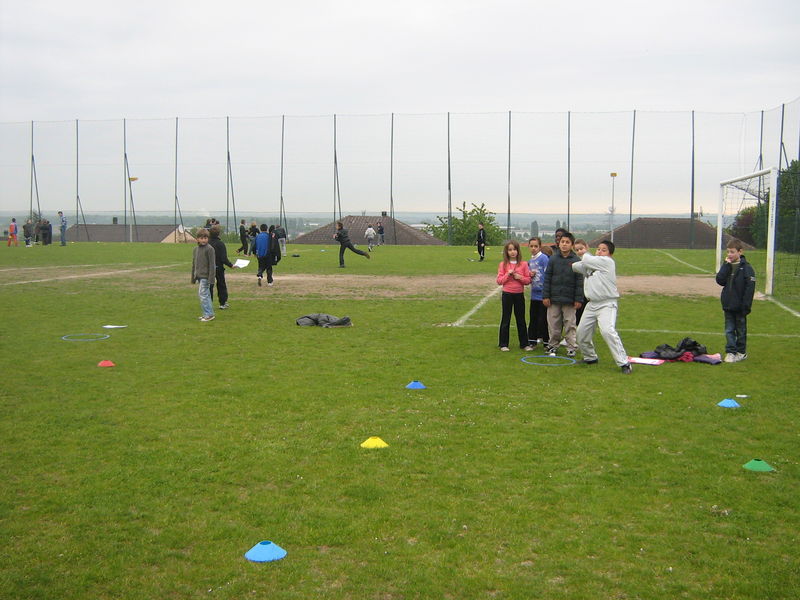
(570, 361)
(85, 337)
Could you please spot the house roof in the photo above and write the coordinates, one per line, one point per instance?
(124, 233)
(396, 233)
(660, 232)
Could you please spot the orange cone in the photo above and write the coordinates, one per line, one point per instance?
(106, 363)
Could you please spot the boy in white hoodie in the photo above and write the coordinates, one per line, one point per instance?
(600, 288)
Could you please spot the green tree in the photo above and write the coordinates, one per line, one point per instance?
(788, 217)
(535, 229)
(465, 227)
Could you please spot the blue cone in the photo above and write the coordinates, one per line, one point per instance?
(416, 385)
(265, 552)
(729, 403)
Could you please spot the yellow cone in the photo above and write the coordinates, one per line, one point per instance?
(374, 442)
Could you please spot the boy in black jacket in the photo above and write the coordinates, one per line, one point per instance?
(562, 294)
(343, 238)
(221, 254)
(739, 284)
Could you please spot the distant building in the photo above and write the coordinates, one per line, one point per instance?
(395, 232)
(658, 232)
(167, 234)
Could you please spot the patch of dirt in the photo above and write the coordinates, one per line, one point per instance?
(669, 285)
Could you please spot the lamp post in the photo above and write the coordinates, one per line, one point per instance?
(612, 209)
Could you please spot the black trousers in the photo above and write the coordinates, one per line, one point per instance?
(244, 246)
(481, 250)
(265, 264)
(515, 302)
(349, 245)
(537, 327)
(222, 287)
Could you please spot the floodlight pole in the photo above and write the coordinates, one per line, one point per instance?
(612, 208)
(508, 218)
(569, 161)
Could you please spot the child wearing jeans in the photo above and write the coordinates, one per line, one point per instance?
(204, 268)
(738, 279)
(513, 274)
(537, 325)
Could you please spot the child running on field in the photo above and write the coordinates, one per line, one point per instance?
(513, 274)
(537, 326)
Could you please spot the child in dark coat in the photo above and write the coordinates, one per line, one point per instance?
(738, 279)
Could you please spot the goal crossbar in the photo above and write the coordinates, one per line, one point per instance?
(772, 212)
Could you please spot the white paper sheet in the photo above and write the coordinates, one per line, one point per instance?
(241, 263)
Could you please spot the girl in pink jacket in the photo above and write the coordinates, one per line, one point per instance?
(513, 274)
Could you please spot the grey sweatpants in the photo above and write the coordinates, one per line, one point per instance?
(603, 315)
(561, 316)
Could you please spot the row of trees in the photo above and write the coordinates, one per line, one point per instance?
(751, 223)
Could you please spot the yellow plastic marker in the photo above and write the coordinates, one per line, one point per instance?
(374, 442)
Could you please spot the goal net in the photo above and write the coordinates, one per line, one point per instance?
(747, 212)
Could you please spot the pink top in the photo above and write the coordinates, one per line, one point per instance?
(505, 276)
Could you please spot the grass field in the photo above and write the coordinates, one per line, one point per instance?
(501, 480)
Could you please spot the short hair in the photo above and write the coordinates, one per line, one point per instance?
(580, 241)
(562, 230)
(610, 245)
(735, 244)
(201, 233)
(263, 227)
(214, 231)
(537, 238)
(547, 250)
(339, 224)
(568, 235)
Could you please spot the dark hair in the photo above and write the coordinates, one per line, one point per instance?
(567, 234)
(263, 227)
(609, 244)
(339, 225)
(735, 244)
(214, 231)
(538, 239)
(561, 229)
(271, 228)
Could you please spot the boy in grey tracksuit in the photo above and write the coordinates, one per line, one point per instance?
(600, 288)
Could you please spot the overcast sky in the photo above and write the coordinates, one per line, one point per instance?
(93, 60)
(96, 60)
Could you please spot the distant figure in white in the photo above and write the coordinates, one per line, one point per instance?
(370, 235)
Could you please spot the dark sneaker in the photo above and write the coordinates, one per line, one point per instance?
(551, 351)
(259, 282)
(626, 369)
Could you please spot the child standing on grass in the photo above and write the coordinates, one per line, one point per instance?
(203, 270)
(513, 274)
(562, 295)
(600, 284)
(738, 279)
(537, 326)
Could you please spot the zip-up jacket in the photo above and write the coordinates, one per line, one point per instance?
(738, 290)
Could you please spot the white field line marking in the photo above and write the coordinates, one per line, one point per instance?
(86, 275)
(476, 308)
(783, 306)
(57, 267)
(673, 257)
(683, 333)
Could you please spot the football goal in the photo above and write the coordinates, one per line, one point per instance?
(747, 211)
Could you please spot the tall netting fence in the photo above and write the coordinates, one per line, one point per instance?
(514, 163)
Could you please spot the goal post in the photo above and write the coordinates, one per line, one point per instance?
(736, 196)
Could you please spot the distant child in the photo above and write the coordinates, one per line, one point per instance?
(480, 241)
(370, 235)
(203, 271)
(562, 295)
(221, 261)
(513, 274)
(264, 254)
(343, 238)
(600, 284)
(12, 233)
(537, 324)
(580, 247)
(381, 233)
(243, 238)
(738, 279)
(27, 231)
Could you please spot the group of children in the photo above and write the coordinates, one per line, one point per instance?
(561, 277)
(574, 292)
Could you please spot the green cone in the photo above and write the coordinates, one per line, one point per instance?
(758, 465)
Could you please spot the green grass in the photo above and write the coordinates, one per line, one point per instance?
(502, 480)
